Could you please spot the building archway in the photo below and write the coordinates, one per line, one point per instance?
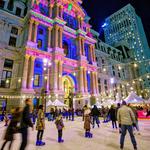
(68, 88)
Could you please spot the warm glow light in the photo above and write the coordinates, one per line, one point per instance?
(133, 82)
(45, 60)
(135, 65)
(104, 69)
(112, 81)
(7, 81)
(119, 68)
(19, 80)
(45, 77)
(148, 76)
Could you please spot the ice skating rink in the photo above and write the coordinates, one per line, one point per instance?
(104, 138)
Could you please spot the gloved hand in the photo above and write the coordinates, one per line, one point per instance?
(119, 125)
(134, 125)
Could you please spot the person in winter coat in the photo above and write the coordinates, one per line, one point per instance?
(87, 122)
(95, 114)
(12, 128)
(126, 120)
(40, 126)
(113, 116)
(59, 125)
(25, 123)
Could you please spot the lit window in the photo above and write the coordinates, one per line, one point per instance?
(39, 45)
(37, 80)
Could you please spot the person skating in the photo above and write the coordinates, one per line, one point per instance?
(25, 123)
(113, 116)
(6, 119)
(40, 126)
(59, 125)
(87, 122)
(95, 114)
(12, 128)
(126, 120)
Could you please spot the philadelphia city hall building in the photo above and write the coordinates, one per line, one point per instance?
(46, 53)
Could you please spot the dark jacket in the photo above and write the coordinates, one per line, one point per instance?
(113, 114)
(25, 120)
(12, 127)
(95, 111)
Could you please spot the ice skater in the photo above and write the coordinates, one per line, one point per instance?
(59, 125)
(87, 122)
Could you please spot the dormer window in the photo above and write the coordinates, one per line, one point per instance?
(18, 11)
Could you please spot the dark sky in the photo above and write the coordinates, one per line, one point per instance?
(98, 10)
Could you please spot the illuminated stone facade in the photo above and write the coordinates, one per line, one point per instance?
(55, 53)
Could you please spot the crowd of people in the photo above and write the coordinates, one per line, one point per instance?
(124, 117)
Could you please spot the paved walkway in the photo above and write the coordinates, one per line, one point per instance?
(104, 138)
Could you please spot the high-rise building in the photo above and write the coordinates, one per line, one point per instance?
(126, 26)
(54, 50)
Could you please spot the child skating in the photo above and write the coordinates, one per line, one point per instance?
(87, 122)
(59, 125)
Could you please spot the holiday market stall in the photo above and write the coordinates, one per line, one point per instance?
(137, 101)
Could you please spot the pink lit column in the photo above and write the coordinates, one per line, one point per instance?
(31, 72)
(35, 31)
(50, 10)
(56, 36)
(25, 72)
(91, 57)
(80, 80)
(60, 75)
(85, 81)
(55, 75)
(49, 36)
(60, 37)
(30, 32)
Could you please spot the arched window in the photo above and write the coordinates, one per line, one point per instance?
(66, 48)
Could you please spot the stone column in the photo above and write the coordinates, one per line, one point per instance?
(81, 83)
(61, 37)
(56, 36)
(93, 82)
(60, 76)
(81, 22)
(25, 72)
(61, 11)
(79, 46)
(90, 53)
(35, 31)
(94, 58)
(31, 72)
(30, 32)
(82, 42)
(78, 19)
(55, 75)
(50, 10)
(96, 82)
(49, 36)
(85, 82)
(48, 80)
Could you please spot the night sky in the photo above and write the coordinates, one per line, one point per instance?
(98, 10)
